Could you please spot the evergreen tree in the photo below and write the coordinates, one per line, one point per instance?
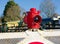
(11, 12)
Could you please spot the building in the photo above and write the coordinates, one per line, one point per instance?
(53, 22)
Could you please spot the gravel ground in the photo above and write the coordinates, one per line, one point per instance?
(55, 39)
(10, 41)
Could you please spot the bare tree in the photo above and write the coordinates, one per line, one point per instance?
(48, 8)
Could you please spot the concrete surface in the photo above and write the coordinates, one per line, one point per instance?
(13, 35)
(42, 36)
(34, 37)
(46, 33)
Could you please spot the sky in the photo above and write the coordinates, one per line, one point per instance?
(27, 4)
